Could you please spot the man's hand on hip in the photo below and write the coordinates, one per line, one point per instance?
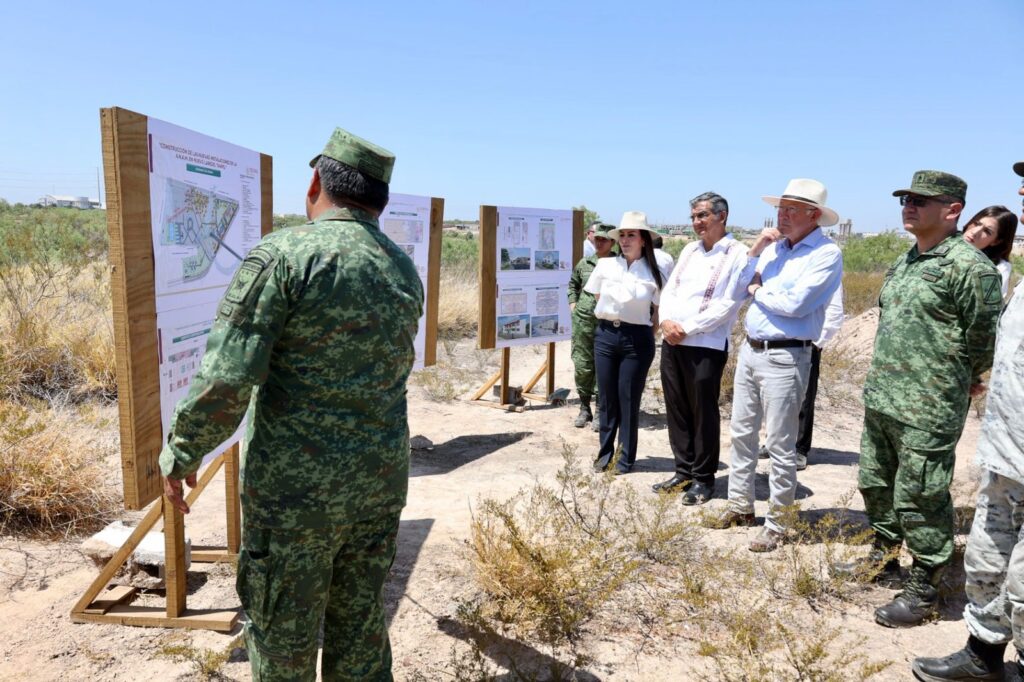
(174, 492)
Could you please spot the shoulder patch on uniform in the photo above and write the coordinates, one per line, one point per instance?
(991, 288)
(246, 284)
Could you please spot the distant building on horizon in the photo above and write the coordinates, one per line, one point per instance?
(67, 201)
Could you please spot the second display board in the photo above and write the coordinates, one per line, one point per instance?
(534, 252)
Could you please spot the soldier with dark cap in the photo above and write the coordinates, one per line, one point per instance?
(939, 305)
(317, 327)
(994, 559)
(584, 324)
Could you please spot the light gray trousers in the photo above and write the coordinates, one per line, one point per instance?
(994, 562)
(769, 384)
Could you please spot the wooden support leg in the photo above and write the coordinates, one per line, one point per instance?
(551, 369)
(506, 360)
(174, 559)
(231, 500)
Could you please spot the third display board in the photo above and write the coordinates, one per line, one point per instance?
(534, 262)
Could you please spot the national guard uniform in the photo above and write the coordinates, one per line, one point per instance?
(936, 333)
(584, 324)
(320, 320)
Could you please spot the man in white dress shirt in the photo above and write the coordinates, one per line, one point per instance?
(699, 305)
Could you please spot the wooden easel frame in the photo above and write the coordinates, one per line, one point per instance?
(487, 324)
(125, 145)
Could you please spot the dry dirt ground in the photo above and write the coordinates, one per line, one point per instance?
(477, 452)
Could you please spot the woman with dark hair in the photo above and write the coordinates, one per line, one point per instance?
(628, 288)
(991, 230)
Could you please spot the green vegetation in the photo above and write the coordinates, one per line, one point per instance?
(873, 254)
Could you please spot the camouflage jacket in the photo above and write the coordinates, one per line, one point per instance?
(1001, 445)
(936, 333)
(585, 301)
(320, 320)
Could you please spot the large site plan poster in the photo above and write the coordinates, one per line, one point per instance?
(406, 221)
(534, 252)
(205, 197)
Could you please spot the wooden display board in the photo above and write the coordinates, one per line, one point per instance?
(487, 325)
(127, 167)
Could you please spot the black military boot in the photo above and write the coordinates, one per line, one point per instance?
(881, 565)
(976, 661)
(584, 416)
(915, 603)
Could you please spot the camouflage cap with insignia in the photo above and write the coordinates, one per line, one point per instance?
(602, 229)
(363, 155)
(1018, 168)
(930, 183)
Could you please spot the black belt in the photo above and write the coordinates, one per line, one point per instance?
(778, 343)
(615, 324)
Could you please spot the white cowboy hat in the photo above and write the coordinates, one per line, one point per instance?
(631, 220)
(810, 192)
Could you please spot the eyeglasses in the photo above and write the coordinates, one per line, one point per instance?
(917, 201)
(702, 215)
(793, 210)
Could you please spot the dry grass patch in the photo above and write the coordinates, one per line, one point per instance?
(53, 481)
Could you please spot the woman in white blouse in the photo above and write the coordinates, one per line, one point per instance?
(991, 230)
(628, 288)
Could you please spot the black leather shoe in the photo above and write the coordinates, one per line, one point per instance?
(676, 484)
(600, 466)
(964, 665)
(698, 494)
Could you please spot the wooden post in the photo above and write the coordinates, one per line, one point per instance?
(174, 559)
(506, 361)
(487, 334)
(231, 500)
(433, 279)
(551, 370)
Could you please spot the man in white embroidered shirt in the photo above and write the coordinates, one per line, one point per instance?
(699, 305)
(796, 270)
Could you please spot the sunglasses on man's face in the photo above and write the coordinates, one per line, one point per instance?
(916, 201)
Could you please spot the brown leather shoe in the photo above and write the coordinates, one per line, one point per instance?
(729, 518)
(767, 540)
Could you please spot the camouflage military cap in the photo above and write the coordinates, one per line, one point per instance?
(1018, 168)
(929, 183)
(363, 155)
(602, 230)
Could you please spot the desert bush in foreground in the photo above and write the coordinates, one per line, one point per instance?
(555, 562)
(52, 478)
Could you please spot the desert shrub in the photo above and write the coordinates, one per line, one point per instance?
(674, 246)
(557, 560)
(52, 479)
(873, 254)
(460, 250)
(860, 291)
(56, 336)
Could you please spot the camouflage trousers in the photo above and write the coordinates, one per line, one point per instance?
(583, 327)
(289, 580)
(904, 478)
(994, 562)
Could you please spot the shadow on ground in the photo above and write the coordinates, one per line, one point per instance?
(412, 533)
(461, 450)
(524, 661)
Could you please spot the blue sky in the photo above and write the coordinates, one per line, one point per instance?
(618, 106)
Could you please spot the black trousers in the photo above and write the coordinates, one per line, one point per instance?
(691, 379)
(623, 355)
(803, 438)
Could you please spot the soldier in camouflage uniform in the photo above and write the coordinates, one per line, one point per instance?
(584, 323)
(939, 307)
(994, 561)
(320, 320)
